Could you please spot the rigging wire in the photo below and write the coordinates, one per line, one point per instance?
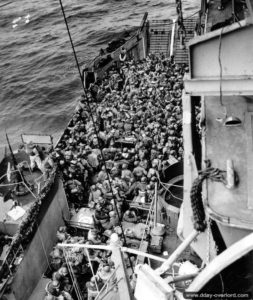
(166, 189)
(94, 124)
(163, 184)
(220, 65)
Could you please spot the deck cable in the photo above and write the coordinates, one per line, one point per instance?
(95, 127)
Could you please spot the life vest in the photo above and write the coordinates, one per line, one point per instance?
(122, 55)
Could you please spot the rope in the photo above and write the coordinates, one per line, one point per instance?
(166, 189)
(171, 184)
(162, 184)
(220, 65)
(196, 195)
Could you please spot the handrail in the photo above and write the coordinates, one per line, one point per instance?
(172, 37)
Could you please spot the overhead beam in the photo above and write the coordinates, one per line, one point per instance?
(241, 85)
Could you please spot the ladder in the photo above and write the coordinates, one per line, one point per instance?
(160, 36)
(181, 55)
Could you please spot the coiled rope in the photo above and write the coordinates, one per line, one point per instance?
(199, 216)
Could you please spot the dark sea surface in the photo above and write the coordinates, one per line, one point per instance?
(39, 81)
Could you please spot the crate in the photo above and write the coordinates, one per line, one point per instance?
(156, 244)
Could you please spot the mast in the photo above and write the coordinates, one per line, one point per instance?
(19, 176)
(12, 154)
